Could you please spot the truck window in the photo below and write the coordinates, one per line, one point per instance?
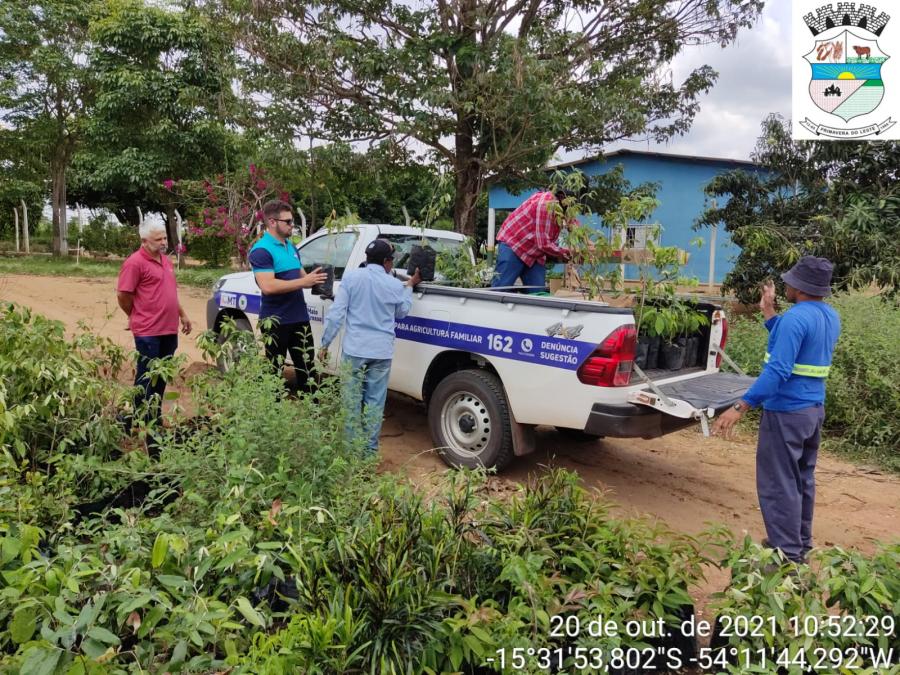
(330, 249)
(403, 244)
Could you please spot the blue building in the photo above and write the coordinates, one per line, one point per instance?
(681, 180)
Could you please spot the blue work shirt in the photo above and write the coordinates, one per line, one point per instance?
(370, 301)
(281, 257)
(805, 335)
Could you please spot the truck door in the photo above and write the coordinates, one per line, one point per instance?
(331, 248)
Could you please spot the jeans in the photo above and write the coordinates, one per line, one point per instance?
(296, 339)
(785, 477)
(363, 394)
(510, 268)
(148, 348)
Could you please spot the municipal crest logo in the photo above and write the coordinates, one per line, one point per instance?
(846, 74)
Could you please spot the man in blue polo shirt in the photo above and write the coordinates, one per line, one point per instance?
(280, 277)
(791, 390)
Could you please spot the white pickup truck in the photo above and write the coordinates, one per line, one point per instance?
(490, 366)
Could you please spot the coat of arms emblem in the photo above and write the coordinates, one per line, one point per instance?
(846, 62)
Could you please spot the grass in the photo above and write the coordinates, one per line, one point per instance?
(197, 277)
(863, 391)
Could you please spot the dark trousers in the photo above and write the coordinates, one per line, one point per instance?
(295, 339)
(152, 389)
(785, 481)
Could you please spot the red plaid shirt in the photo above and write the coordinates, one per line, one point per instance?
(531, 230)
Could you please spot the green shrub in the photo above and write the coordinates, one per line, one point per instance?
(57, 413)
(862, 394)
(836, 614)
(212, 249)
(102, 237)
(269, 545)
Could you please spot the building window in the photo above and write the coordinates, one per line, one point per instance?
(637, 236)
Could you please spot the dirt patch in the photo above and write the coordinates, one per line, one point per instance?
(683, 479)
(93, 302)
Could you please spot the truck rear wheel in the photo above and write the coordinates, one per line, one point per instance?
(470, 422)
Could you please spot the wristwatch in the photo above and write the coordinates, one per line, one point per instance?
(741, 407)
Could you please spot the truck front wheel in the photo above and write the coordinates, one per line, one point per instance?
(234, 343)
(470, 422)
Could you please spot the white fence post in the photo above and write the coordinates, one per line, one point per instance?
(179, 258)
(26, 236)
(302, 224)
(16, 217)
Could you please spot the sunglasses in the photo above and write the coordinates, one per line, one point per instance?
(289, 221)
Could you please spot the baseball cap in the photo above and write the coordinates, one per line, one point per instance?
(378, 251)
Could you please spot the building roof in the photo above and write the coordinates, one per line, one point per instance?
(656, 155)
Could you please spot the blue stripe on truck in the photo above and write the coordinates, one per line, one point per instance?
(531, 348)
(540, 349)
(242, 301)
(251, 304)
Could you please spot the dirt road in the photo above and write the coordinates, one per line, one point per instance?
(683, 479)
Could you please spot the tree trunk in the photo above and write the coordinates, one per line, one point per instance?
(172, 232)
(468, 169)
(468, 186)
(60, 245)
(468, 182)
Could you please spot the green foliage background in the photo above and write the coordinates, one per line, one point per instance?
(836, 200)
(863, 391)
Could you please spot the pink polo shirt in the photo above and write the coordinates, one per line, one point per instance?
(152, 282)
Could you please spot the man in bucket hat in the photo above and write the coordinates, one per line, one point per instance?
(791, 391)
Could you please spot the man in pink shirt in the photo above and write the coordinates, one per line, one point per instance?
(148, 295)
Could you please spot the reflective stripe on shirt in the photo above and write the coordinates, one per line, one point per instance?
(805, 369)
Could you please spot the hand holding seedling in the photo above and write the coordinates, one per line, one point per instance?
(317, 276)
(414, 280)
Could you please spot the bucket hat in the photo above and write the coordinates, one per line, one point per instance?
(811, 275)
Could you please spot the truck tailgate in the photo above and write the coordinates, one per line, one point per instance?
(694, 398)
(716, 390)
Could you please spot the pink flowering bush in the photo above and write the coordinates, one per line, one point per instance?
(225, 213)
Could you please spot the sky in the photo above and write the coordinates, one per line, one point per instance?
(754, 80)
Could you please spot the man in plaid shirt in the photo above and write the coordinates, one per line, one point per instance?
(527, 237)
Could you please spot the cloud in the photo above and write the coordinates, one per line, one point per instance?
(754, 80)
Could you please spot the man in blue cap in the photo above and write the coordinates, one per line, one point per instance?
(791, 391)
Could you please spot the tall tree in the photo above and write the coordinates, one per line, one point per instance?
(376, 184)
(837, 200)
(47, 85)
(162, 106)
(492, 87)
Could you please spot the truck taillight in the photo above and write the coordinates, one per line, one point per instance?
(610, 364)
(723, 341)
